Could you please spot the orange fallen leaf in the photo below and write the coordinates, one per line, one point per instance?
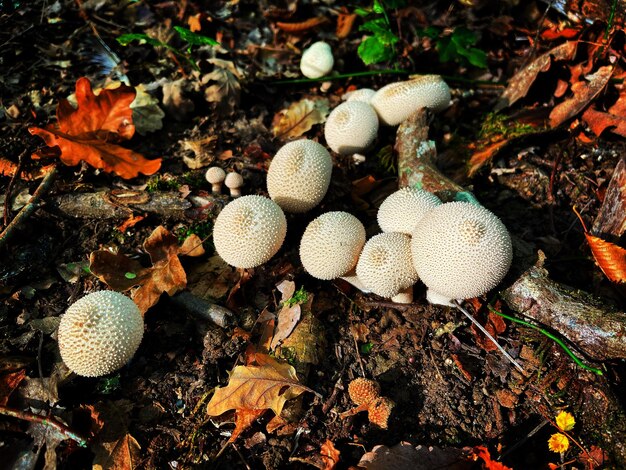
(480, 157)
(345, 21)
(584, 92)
(481, 452)
(329, 454)
(299, 117)
(8, 383)
(165, 275)
(599, 121)
(611, 258)
(267, 385)
(301, 26)
(91, 131)
(130, 222)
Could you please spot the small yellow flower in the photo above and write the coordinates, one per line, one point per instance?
(565, 421)
(558, 442)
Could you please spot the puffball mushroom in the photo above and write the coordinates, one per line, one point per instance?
(99, 333)
(460, 250)
(397, 101)
(215, 175)
(331, 244)
(249, 231)
(362, 94)
(317, 60)
(385, 265)
(402, 210)
(234, 182)
(299, 175)
(351, 127)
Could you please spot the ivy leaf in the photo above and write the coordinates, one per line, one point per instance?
(194, 39)
(372, 51)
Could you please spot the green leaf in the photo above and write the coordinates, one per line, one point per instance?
(475, 56)
(195, 39)
(130, 275)
(378, 7)
(463, 37)
(126, 39)
(373, 51)
(362, 11)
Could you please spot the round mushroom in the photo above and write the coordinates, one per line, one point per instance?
(385, 266)
(402, 210)
(397, 101)
(331, 244)
(99, 333)
(362, 94)
(299, 175)
(249, 231)
(215, 175)
(234, 182)
(351, 127)
(317, 61)
(460, 250)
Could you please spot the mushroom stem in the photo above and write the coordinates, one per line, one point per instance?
(488, 335)
(352, 278)
(216, 188)
(404, 296)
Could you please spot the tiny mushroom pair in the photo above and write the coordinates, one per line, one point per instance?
(216, 176)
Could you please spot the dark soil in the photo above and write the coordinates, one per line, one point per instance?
(449, 388)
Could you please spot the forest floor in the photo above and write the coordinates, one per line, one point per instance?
(535, 130)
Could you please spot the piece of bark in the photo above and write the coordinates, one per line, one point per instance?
(99, 206)
(596, 328)
(417, 161)
(203, 309)
(611, 219)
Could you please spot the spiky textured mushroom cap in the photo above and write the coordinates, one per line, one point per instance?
(461, 250)
(362, 94)
(363, 391)
(385, 266)
(331, 244)
(351, 127)
(379, 411)
(99, 333)
(299, 175)
(249, 231)
(401, 211)
(397, 101)
(317, 60)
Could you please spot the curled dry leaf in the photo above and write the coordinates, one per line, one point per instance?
(329, 454)
(611, 258)
(300, 117)
(301, 26)
(584, 92)
(89, 132)
(226, 91)
(521, 82)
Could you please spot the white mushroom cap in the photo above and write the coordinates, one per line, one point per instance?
(397, 101)
(331, 245)
(317, 60)
(299, 175)
(215, 175)
(351, 127)
(99, 333)
(362, 94)
(385, 266)
(234, 181)
(401, 211)
(249, 231)
(461, 250)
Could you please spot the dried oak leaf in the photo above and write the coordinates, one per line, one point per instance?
(521, 82)
(584, 92)
(267, 385)
(89, 132)
(610, 257)
(226, 91)
(481, 452)
(329, 454)
(113, 446)
(165, 275)
(300, 117)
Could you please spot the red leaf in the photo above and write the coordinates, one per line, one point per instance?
(90, 131)
(481, 452)
(610, 257)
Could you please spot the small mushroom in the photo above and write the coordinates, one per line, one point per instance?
(317, 61)
(99, 333)
(362, 94)
(215, 175)
(402, 210)
(234, 182)
(397, 101)
(385, 266)
(351, 127)
(299, 175)
(460, 250)
(331, 244)
(249, 231)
